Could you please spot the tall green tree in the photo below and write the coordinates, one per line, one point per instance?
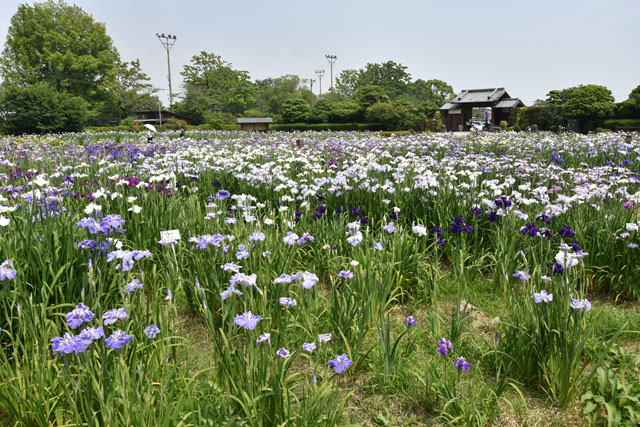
(390, 76)
(61, 45)
(39, 108)
(273, 92)
(131, 91)
(295, 110)
(630, 108)
(371, 94)
(590, 102)
(212, 82)
(433, 92)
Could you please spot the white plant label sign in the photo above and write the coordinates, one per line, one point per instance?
(170, 235)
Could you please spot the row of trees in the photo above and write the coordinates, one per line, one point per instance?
(60, 70)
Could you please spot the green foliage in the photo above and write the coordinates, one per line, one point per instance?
(40, 109)
(344, 111)
(320, 112)
(273, 92)
(591, 102)
(213, 85)
(131, 91)
(394, 115)
(390, 76)
(371, 94)
(614, 397)
(63, 46)
(430, 95)
(630, 108)
(295, 110)
(621, 123)
(503, 125)
(343, 127)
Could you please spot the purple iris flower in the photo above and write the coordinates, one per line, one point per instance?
(584, 304)
(306, 237)
(444, 346)
(79, 315)
(340, 363)
(345, 274)
(7, 271)
(566, 232)
(530, 229)
(133, 285)
(287, 302)
(461, 364)
(151, 331)
(113, 315)
(222, 194)
(410, 321)
(117, 340)
(283, 353)
(247, 320)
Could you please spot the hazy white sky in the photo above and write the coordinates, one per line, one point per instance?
(528, 47)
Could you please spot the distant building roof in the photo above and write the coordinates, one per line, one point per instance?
(451, 106)
(480, 95)
(509, 103)
(254, 120)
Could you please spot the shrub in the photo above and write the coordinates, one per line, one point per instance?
(41, 109)
(295, 110)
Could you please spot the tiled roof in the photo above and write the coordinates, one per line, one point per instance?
(509, 103)
(255, 120)
(451, 106)
(479, 95)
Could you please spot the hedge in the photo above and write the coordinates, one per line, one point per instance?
(329, 126)
(622, 123)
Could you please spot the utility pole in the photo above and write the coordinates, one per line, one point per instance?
(332, 60)
(311, 82)
(320, 73)
(168, 41)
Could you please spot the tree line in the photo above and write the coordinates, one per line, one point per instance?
(61, 70)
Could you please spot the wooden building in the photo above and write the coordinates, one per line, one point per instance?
(160, 117)
(459, 110)
(260, 124)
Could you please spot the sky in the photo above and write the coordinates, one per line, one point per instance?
(528, 47)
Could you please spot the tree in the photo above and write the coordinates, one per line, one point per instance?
(131, 91)
(559, 97)
(630, 108)
(61, 45)
(369, 95)
(590, 102)
(39, 108)
(344, 111)
(320, 112)
(434, 91)
(295, 110)
(390, 76)
(347, 82)
(219, 87)
(394, 115)
(272, 93)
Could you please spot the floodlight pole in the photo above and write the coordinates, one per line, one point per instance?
(311, 82)
(168, 41)
(332, 60)
(320, 73)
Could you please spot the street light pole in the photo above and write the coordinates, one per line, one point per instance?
(311, 82)
(168, 41)
(320, 73)
(332, 60)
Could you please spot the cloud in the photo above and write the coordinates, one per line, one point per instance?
(284, 51)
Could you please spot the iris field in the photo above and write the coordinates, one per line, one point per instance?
(305, 279)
